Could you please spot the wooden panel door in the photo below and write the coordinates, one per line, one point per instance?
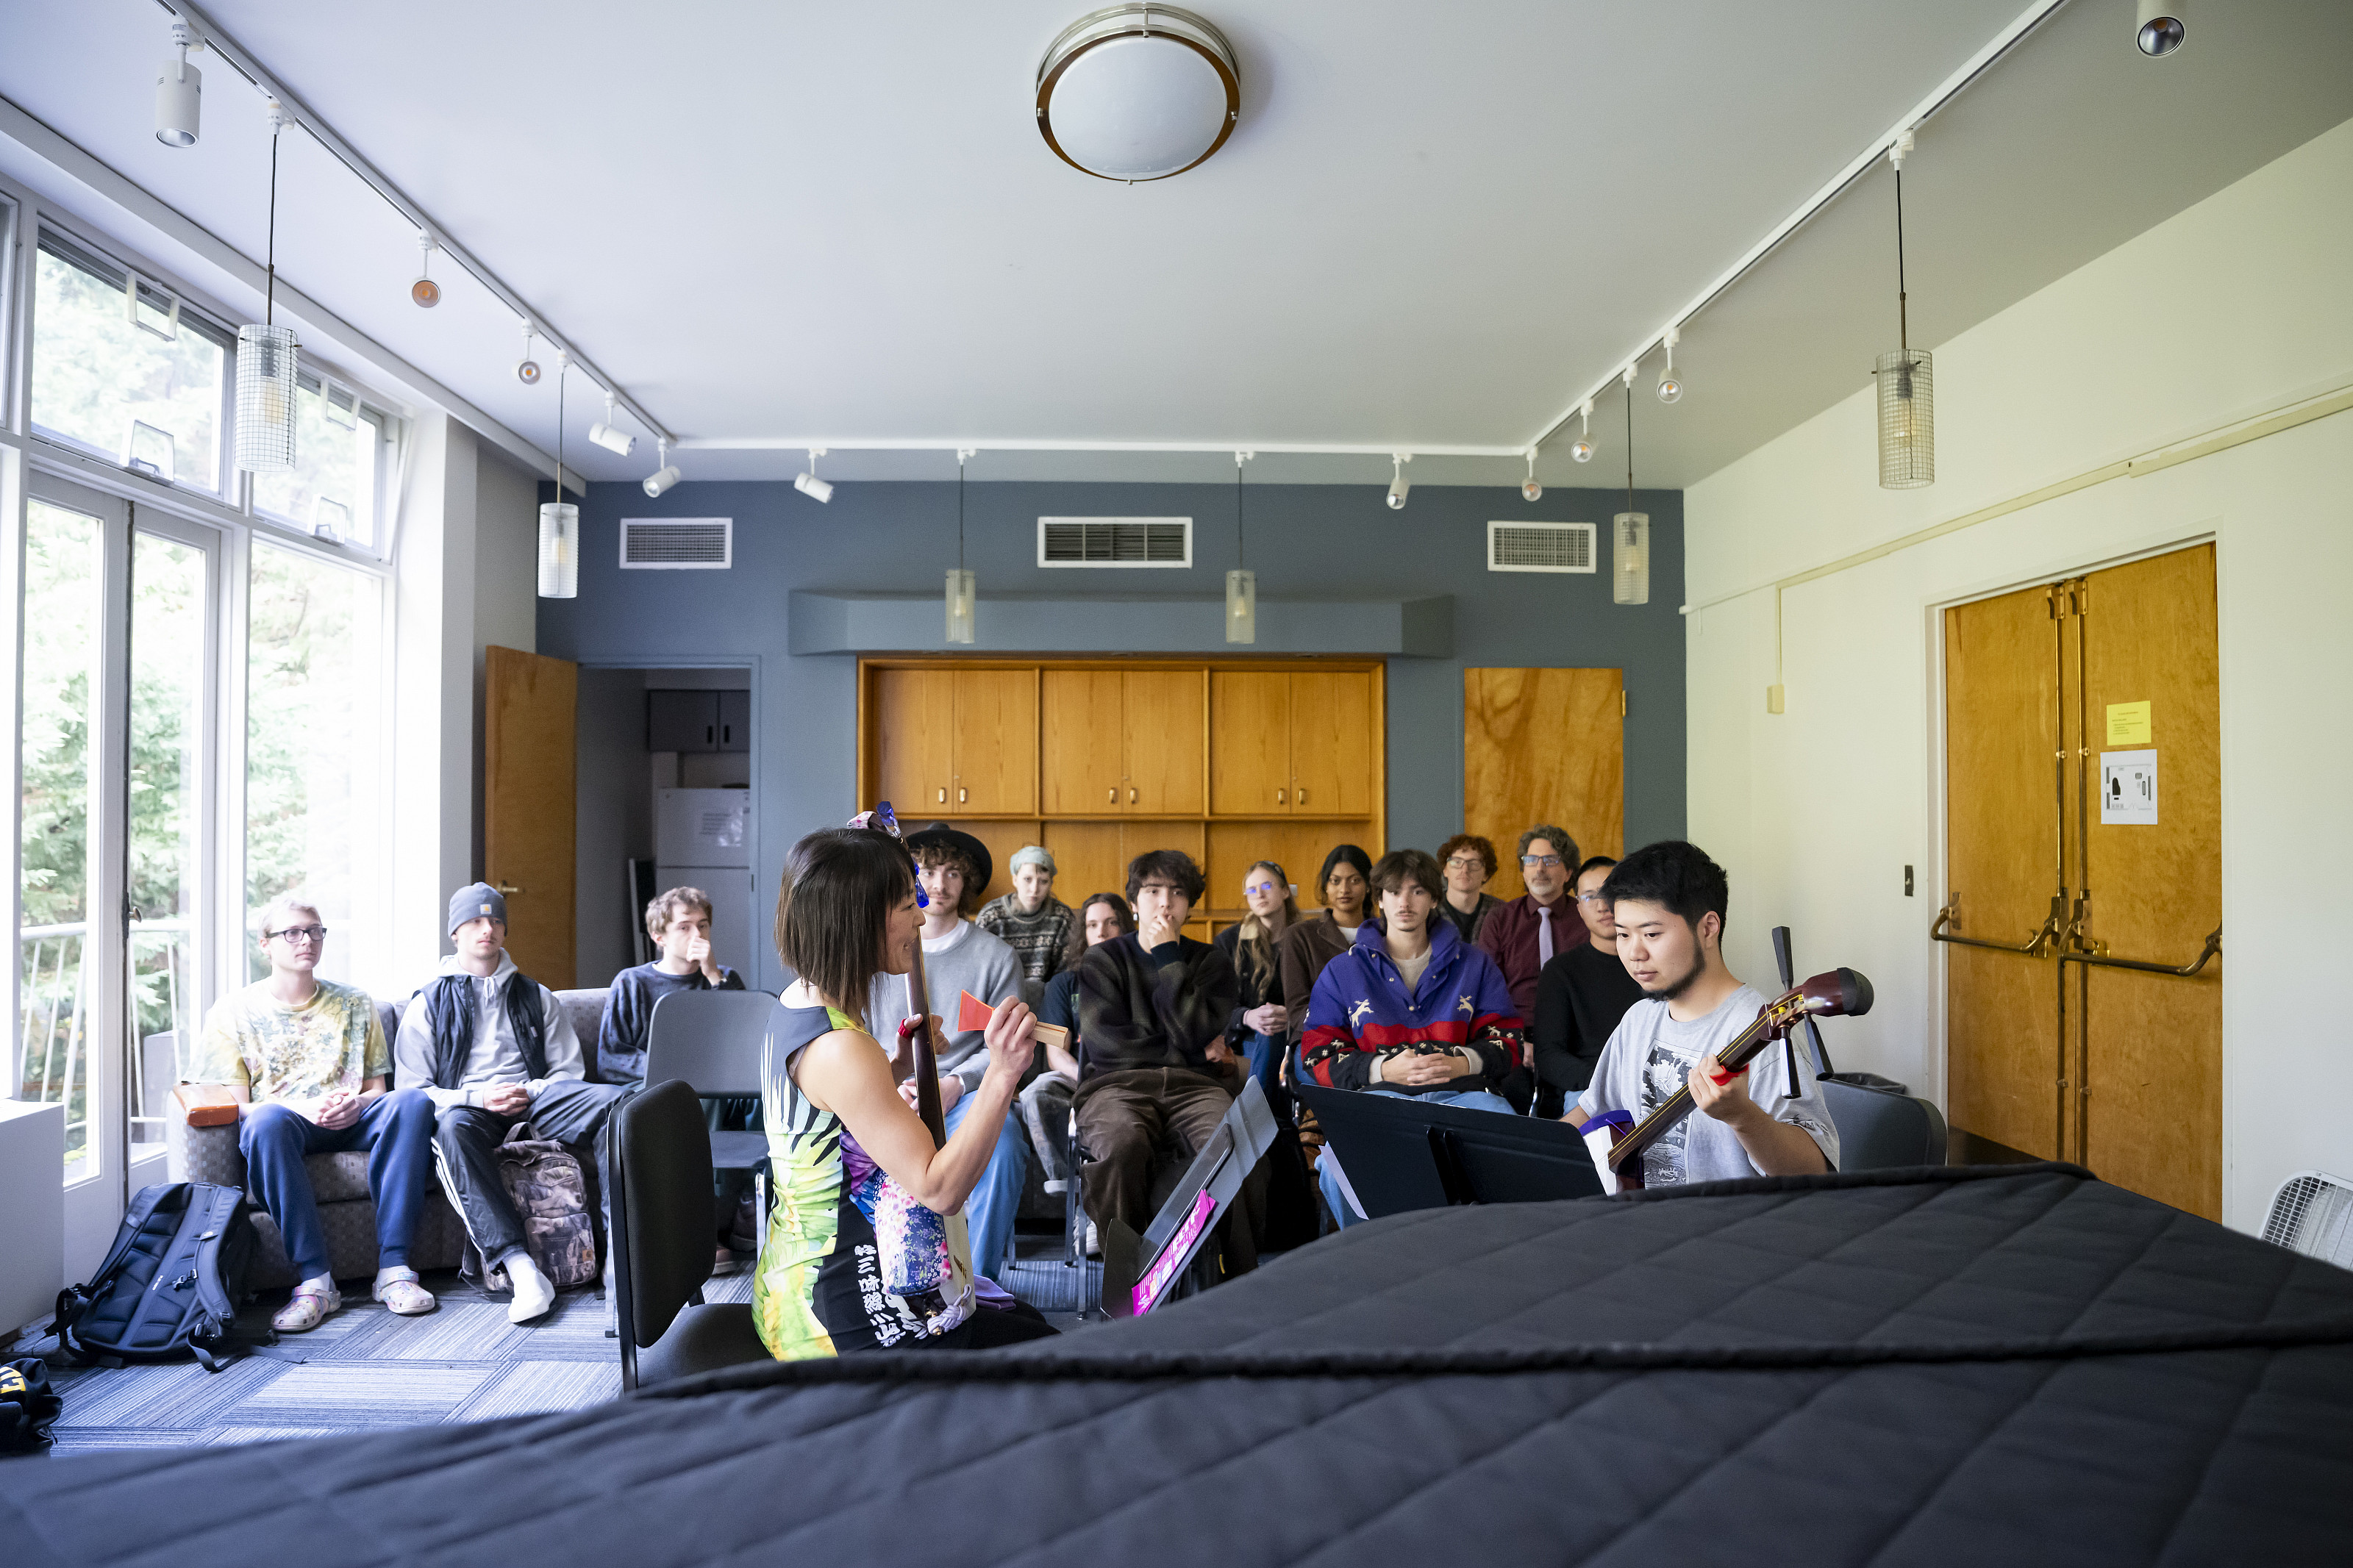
(1165, 741)
(2003, 791)
(1078, 742)
(1087, 858)
(2151, 1054)
(995, 740)
(1249, 743)
(1542, 745)
(1331, 743)
(914, 741)
(530, 770)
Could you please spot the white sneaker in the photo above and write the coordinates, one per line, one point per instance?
(534, 1293)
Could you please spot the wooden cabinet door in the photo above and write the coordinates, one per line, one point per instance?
(1251, 724)
(914, 739)
(995, 740)
(1079, 741)
(1165, 742)
(1331, 745)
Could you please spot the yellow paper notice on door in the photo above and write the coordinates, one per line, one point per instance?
(2129, 725)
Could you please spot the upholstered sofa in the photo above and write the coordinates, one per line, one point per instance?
(346, 1211)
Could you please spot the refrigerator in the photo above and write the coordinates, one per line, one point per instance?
(702, 838)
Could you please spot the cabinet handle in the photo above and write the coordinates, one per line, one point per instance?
(726, 733)
(963, 795)
(1114, 795)
(1303, 797)
(706, 734)
(944, 794)
(1279, 796)
(1131, 794)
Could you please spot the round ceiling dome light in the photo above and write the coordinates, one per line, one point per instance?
(1137, 92)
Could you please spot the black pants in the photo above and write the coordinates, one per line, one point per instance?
(466, 1139)
(991, 1327)
(731, 1113)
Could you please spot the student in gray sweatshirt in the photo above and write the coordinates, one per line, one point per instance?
(958, 956)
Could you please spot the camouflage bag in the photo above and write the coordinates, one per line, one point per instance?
(544, 1181)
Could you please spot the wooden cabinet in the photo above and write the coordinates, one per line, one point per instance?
(914, 741)
(1252, 744)
(994, 765)
(1163, 741)
(1297, 745)
(1122, 743)
(1081, 741)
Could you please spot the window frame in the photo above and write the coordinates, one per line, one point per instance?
(313, 375)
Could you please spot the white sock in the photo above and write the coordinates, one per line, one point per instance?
(534, 1293)
(323, 1281)
(385, 1276)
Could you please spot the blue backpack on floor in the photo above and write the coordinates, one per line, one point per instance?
(170, 1284)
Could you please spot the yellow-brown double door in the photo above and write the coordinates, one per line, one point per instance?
(2083, 858)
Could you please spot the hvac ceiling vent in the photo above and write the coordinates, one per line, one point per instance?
(678, 544)
(1540, 546)
(1114, 542)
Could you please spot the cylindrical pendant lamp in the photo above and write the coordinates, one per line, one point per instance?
(267, 382)
(1907, 420)
(1242, 607)
(1629, 558)
(559, 549)
(961, 593)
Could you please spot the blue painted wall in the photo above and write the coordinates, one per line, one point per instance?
(1316, 541)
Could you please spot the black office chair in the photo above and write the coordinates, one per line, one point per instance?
(661, 1160)
(1881, 1124)
(715, 1040)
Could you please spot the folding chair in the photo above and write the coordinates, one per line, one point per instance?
(660, 1153)
(715, 1042)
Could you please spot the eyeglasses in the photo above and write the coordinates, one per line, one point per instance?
(1551, 862)
(300, 935)
(1466, 863)
(1593, 898)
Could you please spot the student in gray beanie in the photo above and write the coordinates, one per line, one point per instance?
(1040, 927)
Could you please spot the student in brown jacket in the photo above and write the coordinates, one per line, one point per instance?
(1345, 888)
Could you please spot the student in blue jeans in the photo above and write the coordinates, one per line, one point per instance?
(1413, 1012)
(308, 1063)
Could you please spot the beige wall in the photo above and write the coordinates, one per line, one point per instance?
(2233, 308)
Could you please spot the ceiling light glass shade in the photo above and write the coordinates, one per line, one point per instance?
(1907, 420)
(1137, 92)
(265, 388)
(559, 551)
(1629, 558)
(962, 591)
(1242, 607)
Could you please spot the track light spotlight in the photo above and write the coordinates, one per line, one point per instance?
(1532, 490)
(179, 92)
(1669, 388)
(2157, 29)
(1399, 485)
(1582, 448)
(526, 368)
(809, 484)
(661, 479)
(618, 442)
(425, 293)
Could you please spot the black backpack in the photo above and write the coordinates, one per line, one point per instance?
(171, 1283)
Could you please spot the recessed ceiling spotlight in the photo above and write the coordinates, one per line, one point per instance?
(2157, 29)
(809, 485)
(179, 92)
(527, 368)
(616, 441)
(1137, 92)
(426, 292)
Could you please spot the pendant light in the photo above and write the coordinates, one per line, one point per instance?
(267, 376)
(1629, 531)
(961, 586)
(1907, 382)
(1241, 584)
(559, 520)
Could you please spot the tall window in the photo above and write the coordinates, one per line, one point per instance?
(313, 816)
(65, 569)
(169, 612)
(143, 387)
(331, 491)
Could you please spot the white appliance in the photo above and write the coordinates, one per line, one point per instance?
(702, 838)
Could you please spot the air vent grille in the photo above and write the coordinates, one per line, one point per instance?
(1114, 542)
(1540, 546)
(678, 544)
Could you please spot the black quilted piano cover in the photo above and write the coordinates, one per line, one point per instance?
(2013, 1365)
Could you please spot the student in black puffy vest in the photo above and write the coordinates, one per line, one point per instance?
(491, 1047)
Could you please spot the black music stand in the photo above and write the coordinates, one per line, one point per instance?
(1159, 1257)
(1402, 1154)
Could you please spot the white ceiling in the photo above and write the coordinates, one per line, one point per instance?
(1432, 226)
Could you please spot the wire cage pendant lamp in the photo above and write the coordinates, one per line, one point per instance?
(268, 376)
(1242, 582)
(963, 624)
(1629, 531)
(559, 520)
(1907, 378)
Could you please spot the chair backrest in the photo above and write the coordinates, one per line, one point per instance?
(1881, 1131)
(586, 1010)
(662, 1210)
(710, 1039)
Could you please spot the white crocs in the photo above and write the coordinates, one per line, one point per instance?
(314, 1301)
(398, 1289)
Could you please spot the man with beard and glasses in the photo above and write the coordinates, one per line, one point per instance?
(1668, 901)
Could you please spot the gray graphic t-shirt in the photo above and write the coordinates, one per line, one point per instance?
(1650, 1055)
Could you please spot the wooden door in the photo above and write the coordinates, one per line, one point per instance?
(2150, 1057)
(915, 742)
(1542, 745)
(530, 763)
(995, 740)
(1165, 741)
(1331, 743)
(1078, 742)
(1250, 745)
(2004, 789)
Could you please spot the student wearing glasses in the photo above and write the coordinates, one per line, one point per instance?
(1580, 997)
(1469, 864)
(1522, 936)
(307, 1061)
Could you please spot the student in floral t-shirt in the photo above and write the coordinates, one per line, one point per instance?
(307, 1061)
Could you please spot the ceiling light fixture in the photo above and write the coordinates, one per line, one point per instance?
(1582, 448)
(1907, 379)
(1629, 531)
(817, 490)
(1532, 490)
(1670, 389)
(1242, 582)
(559, 520)
(1400, 484)
(1137, 92)
(527, 368)
(963, 626)
(661, 479)
(268, 377)
(425, 293)
(2157, 28)
(180, 92)
(616, 441)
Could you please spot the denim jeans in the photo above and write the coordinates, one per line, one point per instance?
(396, 1130)
(1467, 1099)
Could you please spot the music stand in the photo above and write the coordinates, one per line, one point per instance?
(1403, 1154)
(1139, 1270)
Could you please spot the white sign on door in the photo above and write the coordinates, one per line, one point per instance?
(2129, 788)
